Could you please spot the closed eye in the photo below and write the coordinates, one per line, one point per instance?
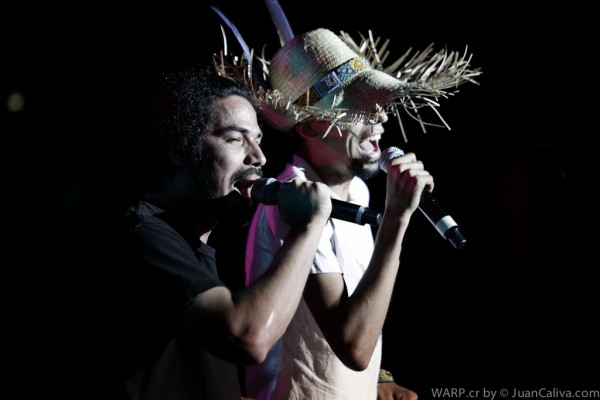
(233, 139)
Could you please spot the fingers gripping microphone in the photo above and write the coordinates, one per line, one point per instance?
(266, 191)
(443, 223)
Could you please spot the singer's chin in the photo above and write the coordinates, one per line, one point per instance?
(233, 210)
(365, 169)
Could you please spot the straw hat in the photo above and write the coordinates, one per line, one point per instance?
(319, 74)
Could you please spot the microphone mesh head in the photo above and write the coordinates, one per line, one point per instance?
(387, 155)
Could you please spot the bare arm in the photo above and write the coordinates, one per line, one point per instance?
(353, 324)
(243, 326)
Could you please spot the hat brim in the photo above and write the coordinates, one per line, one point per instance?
(359, 100)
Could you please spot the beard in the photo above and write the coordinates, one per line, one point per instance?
(232, 210)
(364, 169)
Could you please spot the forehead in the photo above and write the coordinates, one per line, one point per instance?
(234, 110)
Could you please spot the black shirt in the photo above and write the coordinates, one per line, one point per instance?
(150, 271)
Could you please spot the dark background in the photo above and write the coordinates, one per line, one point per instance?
(516, 308)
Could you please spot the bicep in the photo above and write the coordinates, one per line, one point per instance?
(206, 318)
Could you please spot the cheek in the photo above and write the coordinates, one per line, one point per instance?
(225, 158)
(226, 167)
(218, 171)
(337, 144)
(351, 145)
(232, 161)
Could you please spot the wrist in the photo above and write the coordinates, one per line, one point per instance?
(385, 376)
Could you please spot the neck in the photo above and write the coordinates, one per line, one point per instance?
(334, 175)
(337, 180)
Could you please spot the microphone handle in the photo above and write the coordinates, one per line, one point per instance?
(266, 191)
(428, 205)
(441, 220)
(354, 213)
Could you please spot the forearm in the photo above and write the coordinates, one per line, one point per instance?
(245, 325)
(268, 305)
(365, 311)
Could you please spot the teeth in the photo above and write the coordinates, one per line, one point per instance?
(374, 137)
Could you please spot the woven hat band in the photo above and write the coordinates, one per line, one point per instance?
(333, 80)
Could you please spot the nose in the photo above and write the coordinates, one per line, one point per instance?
(255, 156)
(383, 117)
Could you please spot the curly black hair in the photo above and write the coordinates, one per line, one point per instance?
(179, 112)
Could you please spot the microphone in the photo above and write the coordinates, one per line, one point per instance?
(430, 207)
(266, 191)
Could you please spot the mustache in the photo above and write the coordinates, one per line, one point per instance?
(245, 174)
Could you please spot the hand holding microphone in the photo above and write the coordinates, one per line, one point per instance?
(299, 200)
(266, 191)
(429, 206)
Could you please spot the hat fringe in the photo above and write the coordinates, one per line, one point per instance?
(426, 77)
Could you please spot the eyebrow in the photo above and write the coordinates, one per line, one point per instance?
(237, 128)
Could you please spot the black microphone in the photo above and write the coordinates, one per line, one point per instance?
(266, 191)
(429, 206)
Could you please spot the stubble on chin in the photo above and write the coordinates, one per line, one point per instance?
(365, 169)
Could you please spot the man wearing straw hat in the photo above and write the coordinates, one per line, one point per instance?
(333, 97)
